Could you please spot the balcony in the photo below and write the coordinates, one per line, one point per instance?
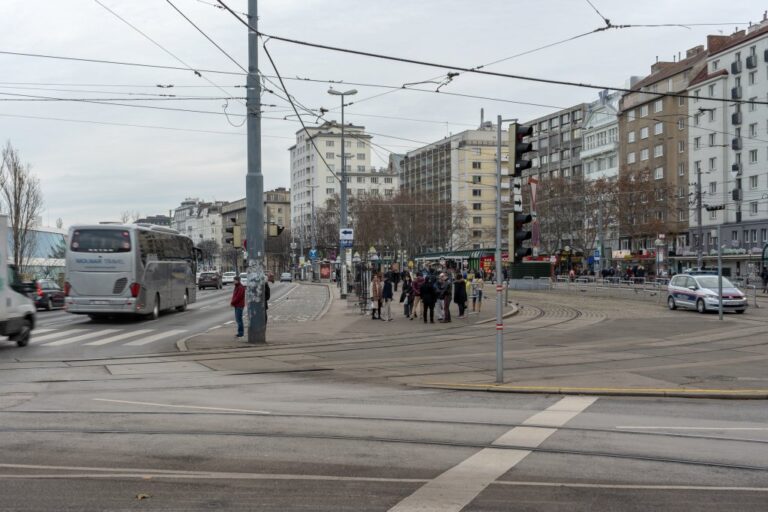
(736, 144)
(736, 168)
(736, 67)
(752, 62)
(736, 93)
(736, 118)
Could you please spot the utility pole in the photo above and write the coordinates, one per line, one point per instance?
(315, 277)
(301, 240)
(499, 273)
(699, 242)
(254, 190)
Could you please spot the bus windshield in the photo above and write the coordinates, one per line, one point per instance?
(101, 240)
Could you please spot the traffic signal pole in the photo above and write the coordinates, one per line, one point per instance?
(254, 191)
(499, 273)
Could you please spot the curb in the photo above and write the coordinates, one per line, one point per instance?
(509, 314)
(737, 394)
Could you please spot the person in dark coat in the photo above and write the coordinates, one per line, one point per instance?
(460, 294)
(428, 299)
(406, 296)
(386, 296)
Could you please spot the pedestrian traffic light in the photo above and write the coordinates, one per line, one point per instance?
(517, 148)
(274, 229)
(519, 235)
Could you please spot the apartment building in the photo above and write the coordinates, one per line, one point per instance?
(653, 148)
(727, 142)
(557, 139)
(277, 207)
(600, 135)
(315, 178)
(460, 171)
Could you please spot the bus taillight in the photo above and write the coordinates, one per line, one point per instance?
(67, 288)
(135, 288)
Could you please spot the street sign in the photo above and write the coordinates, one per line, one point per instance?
(313, 254)
(346, 234)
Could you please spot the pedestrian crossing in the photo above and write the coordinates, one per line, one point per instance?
(49, 337)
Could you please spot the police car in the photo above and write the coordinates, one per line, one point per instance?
(699, 292)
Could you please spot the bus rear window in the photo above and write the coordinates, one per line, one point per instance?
(101, 240)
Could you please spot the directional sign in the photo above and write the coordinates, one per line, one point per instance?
(313, 254)
(346, 234)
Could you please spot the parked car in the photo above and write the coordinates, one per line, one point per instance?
(47, 294)
(228, 278)
(286, 277)
(209, 280)
(243, 277)
(700, 292)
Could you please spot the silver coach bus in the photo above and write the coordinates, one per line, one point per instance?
(137, 269)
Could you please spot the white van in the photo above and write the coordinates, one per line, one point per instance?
(17, 311)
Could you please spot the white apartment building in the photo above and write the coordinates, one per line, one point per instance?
(312, 179)
(600, 138)
(199, 220)
(728, 152)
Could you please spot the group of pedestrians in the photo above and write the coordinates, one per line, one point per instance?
(422, 294)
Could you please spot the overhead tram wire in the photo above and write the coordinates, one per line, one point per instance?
(406, 60)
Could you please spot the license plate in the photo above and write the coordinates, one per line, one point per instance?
(99, 302)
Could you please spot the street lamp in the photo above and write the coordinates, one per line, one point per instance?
(343, 219)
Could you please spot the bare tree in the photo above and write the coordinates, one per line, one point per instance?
(209, 250)
(125, 216)
(643, 205)
(59, 223)
(23, 199)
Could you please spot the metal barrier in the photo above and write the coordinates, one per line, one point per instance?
(754, 290)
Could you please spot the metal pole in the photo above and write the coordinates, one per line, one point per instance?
(720, 271)
(601, 241)
(315, 277)
(254, 191)
(343, 219)
(700, 242)
(499, 287)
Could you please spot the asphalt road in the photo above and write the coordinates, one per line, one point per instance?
(60, 335)
(197, 432)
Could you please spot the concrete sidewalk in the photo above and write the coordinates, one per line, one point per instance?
(553, 344)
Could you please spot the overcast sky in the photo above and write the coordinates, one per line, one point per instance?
(91, 172)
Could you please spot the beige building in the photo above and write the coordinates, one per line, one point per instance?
(459, 170)
(653, 141)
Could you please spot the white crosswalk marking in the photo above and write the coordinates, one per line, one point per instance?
(119, 337)
(67, 341)
(41, 331)
(53, 335)
(155, 337)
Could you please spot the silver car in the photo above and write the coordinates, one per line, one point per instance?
(699, 292)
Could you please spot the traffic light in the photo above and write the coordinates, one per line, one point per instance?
(236, 231)
(517, 148)
(274, 229)
(519, 235)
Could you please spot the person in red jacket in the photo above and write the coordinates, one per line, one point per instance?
(238, 302)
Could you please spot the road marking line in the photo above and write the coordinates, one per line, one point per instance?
(225, 409)
(630, 486)
(82, 337)
(457, 487)
(43, 330)
(119, 337)
(55, 334)
(692, 428)
(156, 337)
(230, 322)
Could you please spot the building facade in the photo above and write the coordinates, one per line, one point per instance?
(459, 171)
(202, 222)
(157, 220)
(277, 207)
(728, 152)
(557, 141)
(653, 152)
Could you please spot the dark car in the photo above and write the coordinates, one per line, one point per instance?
(209, 280)
(47, 295)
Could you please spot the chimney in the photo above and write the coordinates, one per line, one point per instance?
(482, 117)
(715, 43)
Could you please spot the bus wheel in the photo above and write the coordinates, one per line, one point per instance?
(155, 314)
(183, 307)
(22, 337)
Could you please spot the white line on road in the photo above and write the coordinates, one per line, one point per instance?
(457, 487)
(67, 341)
(150, 339)
(692, 428)
(153, 404)
(119, 337)
(55, 335)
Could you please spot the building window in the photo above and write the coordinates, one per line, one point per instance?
(477, 233)
(361, 179)
(752, 104)
(329, 179)
(565, 136)
(658, 150)
(752, 77)
(681, 215)
(477, 220)
(753, 130)
(329, 154)
(477, 206)
(644, 133)
(644, 111)
(681, 101)
(361, 156)
(658, 173)
(753, 182)
(696, 142)
(388, 181)
(329, 143)
(696, 94)
(329, 191)
(752, 156)
(631, 157)
(753, 208)
(658, 128)
(681, 169)
(476, 192)
(360, 168)
(712, 188)
(631, 137)
(476, 179)
(374, 179)
(658, 105)
(680, 124)
(631, 115)
(643, 155)
(374, 192)
(476, 165)
(360, 144)
(680, 146)
(712, 163)
(712, 139)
